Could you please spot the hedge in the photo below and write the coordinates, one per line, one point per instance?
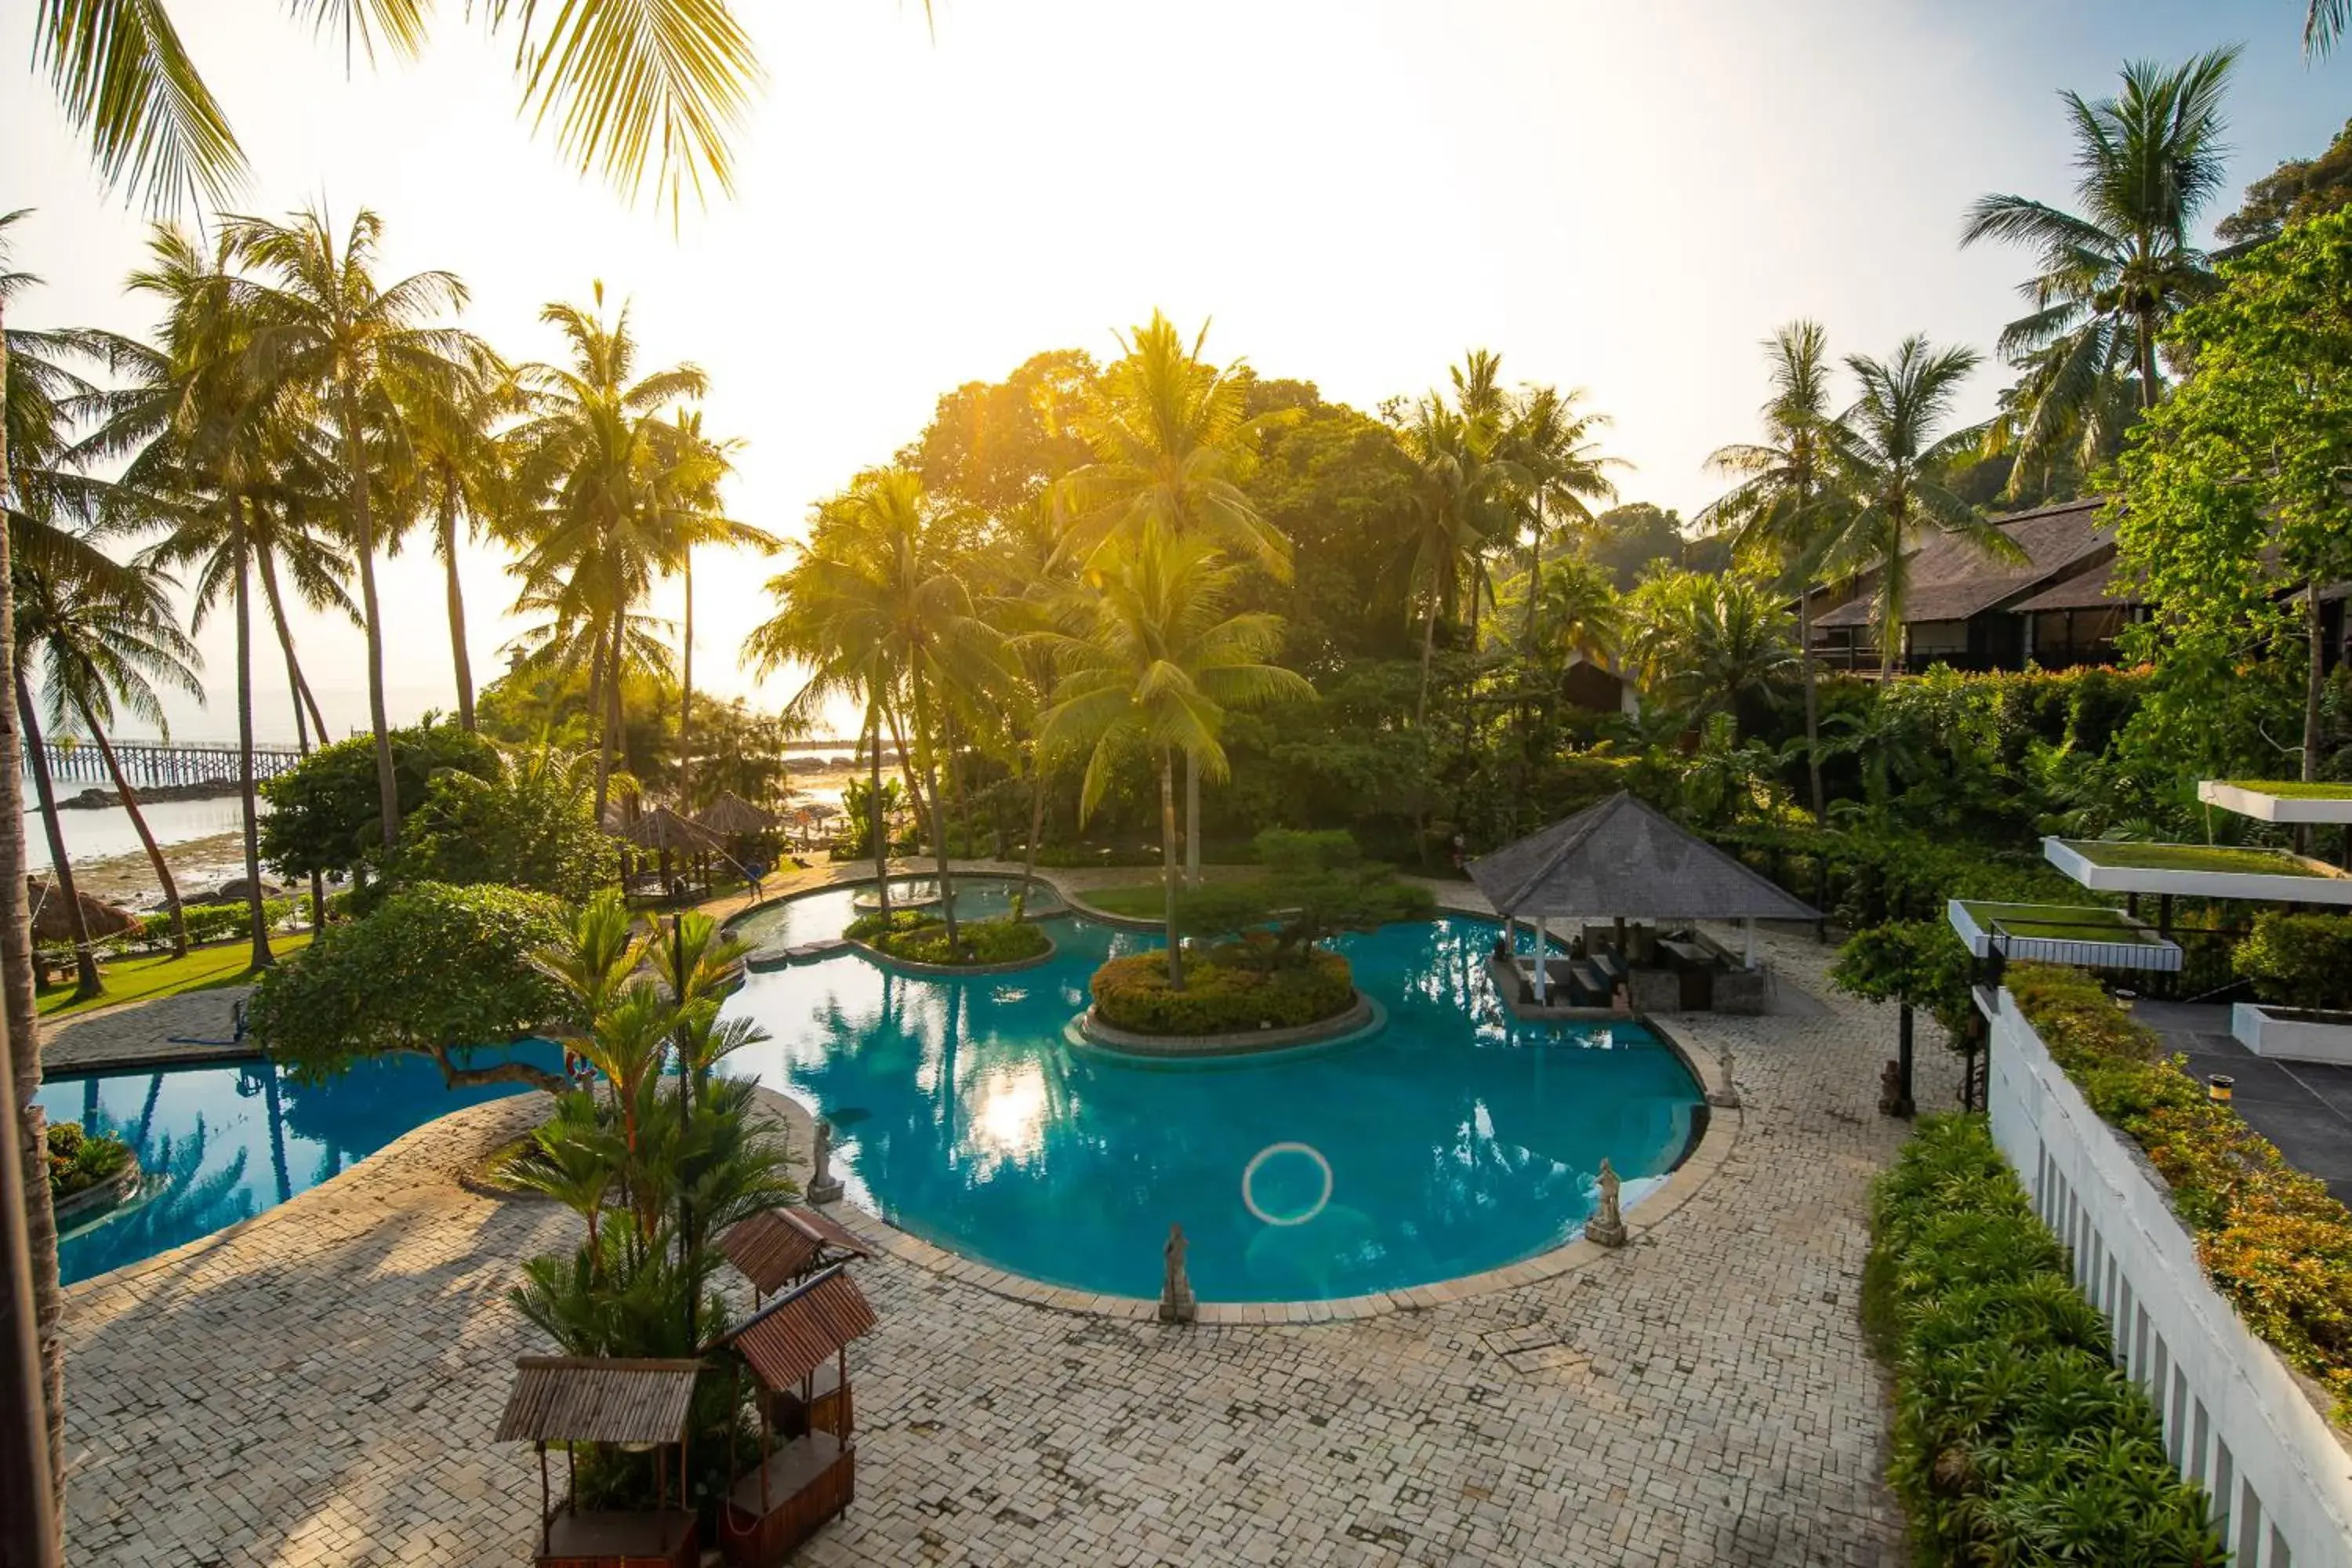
(2016, 1440)
(920, 937)
(2299, 961)
(1221, 998)
(2272, 1239)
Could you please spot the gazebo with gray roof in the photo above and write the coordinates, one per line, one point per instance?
(1626, 859)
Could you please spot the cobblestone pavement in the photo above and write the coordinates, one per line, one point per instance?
(320, 1386)
(142, 1034)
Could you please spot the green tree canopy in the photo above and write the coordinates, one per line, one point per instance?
(434, 971)
(529, 822)
(324, 812)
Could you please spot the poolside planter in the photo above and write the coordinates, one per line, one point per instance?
(2134, 947)
(2247, 800)
(2318, 883)
(2293, 1034)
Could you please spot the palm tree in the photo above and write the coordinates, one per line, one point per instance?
(688, 491)
(2324, 22)
(1551, 440)
(1578, 614)
(1776, 510)
(629, 87)
(1888, 455)
(1466, 495)
(323, 323)
(1171, 438)
(586, 466)
(1707, 643)
(1158, 666)
(2114, 274)
(100, 645)
(456, 479)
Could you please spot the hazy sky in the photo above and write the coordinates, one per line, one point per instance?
(1620, 196)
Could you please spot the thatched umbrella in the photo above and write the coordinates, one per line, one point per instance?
(665, 833)
(732, 816)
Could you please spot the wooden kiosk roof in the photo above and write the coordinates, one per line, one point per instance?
(662, 829)
(776, 1247)
(598, 1399)
(800, 1330)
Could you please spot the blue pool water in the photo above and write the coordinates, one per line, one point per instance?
(1454, 1141)
(220, 1144)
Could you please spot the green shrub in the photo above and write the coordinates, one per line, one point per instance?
(79, 1161)
(221, 923)
(1224, 994)
(2272, 1240)
(920, 937)
(2016, 1437)
(2299, 961)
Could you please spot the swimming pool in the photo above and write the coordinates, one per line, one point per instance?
(1452, 1142)
(220, 1144)
(819, 916)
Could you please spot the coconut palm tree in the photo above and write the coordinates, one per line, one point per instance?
(2113, 274)
(2324, 22)
(1157, 667)
(628, 88)
(1171, 439)
(1888, 455)
(102, 646)
(1551, 440)
(1779, 509)
(323, 323)
(456, 479)
(586, 465)
(1467, 493)
(687, 490)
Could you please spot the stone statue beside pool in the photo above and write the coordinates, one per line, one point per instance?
(823, 1187)
(1175, 1286)
(1607, 1225)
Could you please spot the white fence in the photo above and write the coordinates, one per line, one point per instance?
(2233, 1416)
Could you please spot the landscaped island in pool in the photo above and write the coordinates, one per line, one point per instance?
(1447, 1143)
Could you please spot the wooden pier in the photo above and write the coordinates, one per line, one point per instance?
(151, 764)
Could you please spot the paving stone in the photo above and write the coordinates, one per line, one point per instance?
(321, 1386)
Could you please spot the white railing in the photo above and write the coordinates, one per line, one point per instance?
(2234, 1419)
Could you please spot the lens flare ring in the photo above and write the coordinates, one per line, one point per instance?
(1249, 1175)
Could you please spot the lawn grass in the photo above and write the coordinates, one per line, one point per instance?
(2292, 789)
(2190, 858)
(2059, 922)
(146, 979)
(1146, 901)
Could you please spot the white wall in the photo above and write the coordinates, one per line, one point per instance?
(2233, 1416)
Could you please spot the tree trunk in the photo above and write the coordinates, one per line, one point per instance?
(613, 707)
(1168, 869)
(597, 674)
(459, 661)
(1534, 579)
(154, 854)
(927, 755)
(40, 1259)
(387, 773)
(877, 822)
(1812, 696)
(1037, 826)
(1428, 652)
(2147, 359)
(87, 984)
(1191, 820)
(262, 958)
(295, 679)
(2314, 688)
(685, 695)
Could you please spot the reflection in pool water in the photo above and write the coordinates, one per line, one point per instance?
(1452, 1142)
(220, 1144)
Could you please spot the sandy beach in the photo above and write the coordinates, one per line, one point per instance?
(198, 865)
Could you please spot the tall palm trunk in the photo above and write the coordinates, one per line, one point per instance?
(1168, 869)
(458, 659)
(259, 918)
(299, 683)
(686, 694)
(300, 689)
(1813, 695)
(387, 776)
(1191, 820)
(130, 799)
(597, 674)
(1428, 652)
(87, 984)
(615, 739)
(877, 822)
(1534, 579)
(2314, 688)
(1029, 847)
(2147, 359)
(39, 1257)
(927, 754)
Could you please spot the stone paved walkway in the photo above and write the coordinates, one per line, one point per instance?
(142, 1034)
(318, 1386)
